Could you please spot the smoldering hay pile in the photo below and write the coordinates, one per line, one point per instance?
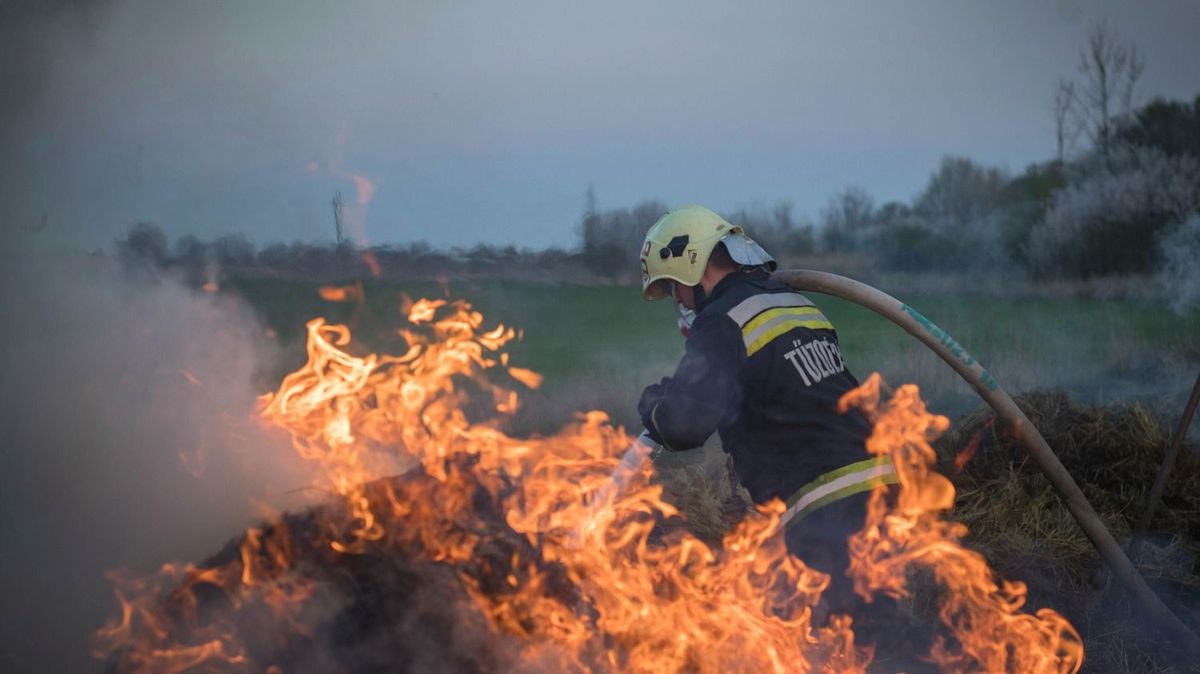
(498, 553)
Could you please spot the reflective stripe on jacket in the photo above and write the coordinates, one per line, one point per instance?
(838, 484)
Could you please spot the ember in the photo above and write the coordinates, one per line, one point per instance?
(510, 553)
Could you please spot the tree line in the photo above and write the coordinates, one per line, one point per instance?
(1120, 197)
(1109, 210)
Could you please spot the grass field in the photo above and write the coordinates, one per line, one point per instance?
(599, 345)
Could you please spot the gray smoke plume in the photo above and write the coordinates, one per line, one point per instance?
(128, 440)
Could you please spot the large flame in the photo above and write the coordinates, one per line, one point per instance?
(580, 576)
(988, 632)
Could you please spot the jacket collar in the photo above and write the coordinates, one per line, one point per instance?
(732, 279)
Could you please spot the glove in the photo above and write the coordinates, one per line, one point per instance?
(651, 397)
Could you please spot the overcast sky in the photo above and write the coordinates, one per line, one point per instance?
(459, 122)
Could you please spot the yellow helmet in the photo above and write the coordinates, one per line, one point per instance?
(678, 246)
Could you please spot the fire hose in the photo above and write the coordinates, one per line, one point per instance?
(1021, 427)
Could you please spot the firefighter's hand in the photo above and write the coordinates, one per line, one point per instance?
(651, 397)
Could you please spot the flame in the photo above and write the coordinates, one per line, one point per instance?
(526, 377)
(372, 263)
(333, 293)
(581, 576)
(364, 188)
(988, 631)
(347, 293)
(964, 457)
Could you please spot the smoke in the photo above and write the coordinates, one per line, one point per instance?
(1180, 250)
(126, 413)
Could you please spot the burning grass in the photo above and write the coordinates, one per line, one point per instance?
(514, 553)
(1019, 523)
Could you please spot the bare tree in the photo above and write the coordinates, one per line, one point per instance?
(845, 219)
(589, 208)
(1110, 70)
(783, 216)
(1066, 128)
(853, 207)
(960, 191)
(589, 224)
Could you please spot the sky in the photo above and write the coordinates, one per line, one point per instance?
(457, 122)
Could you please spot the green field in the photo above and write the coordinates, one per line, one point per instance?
(599, 345)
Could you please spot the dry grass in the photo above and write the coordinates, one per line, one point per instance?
(705, 490)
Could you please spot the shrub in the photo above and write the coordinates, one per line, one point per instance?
(1170, 126)
(144, 243)
(1108, 223)
(912, 247)
(1025, 201)
(915, 246)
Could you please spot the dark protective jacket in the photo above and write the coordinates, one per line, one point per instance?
(762, 367)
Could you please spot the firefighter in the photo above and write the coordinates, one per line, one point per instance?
(761, 367)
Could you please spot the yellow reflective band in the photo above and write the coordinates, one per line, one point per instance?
(756, 304)
(838, 484)
(774, 322)
(781, 328)
(766, 316)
